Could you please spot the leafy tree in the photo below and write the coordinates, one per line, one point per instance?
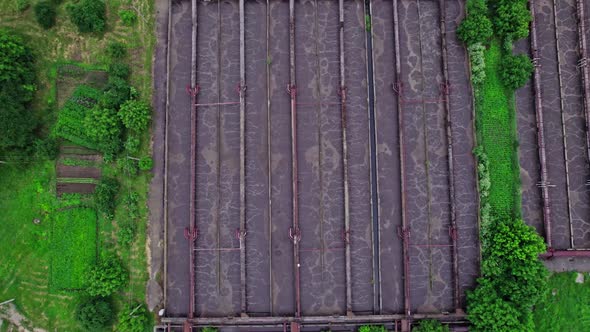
(116, 50)
(515, 70)
(116, 92)
(511, 19)
(104, 127)
(104, 196)
(133, 318)
(475, 28)
(88, 15)
(146, 163)
(105, 277)
(135, 115)
(94, 314)
(45, 13)
(16, 122)
(119, 69)
(128, 17)
(46, 148)
(430, 325)
(132, 144)
(17, 73)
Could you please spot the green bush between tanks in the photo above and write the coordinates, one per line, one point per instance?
(45, 13)
(511, 19)
(515, 70)
(372, 328)
(133, 318)
(476, 27)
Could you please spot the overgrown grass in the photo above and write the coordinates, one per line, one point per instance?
(566, 306)
(496, 129)
(26, 194)
(73, 247)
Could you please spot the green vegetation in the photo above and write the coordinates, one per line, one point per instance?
(105, 193)
(372, 328)
(516, 70)
(88, 15)
(95, 314)
(128, 17)
(209, 329)
(105, 277)
(146, 163)
(45, 13)
(430, 325)
(476, 28)
(496, 128)
(135, 115)
(564, 306)
(133, 318)
(512, 278)
(17, 86)
(73, 246)
(116, 50)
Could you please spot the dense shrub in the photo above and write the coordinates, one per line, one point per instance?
(478, 65)
(22, 5)
(119, 69)
(430, 325)
(146, 163)
(209, 329)
(135, 115)
(511, 19)
(106, 277)
(128, 17)
(116, 50)
(94, 314)
(128, 166)
(104, 196)
(116, 92)
(132, 144)
(103, 126)
(133, 318)
(17, 87)
(45, 13)
(515, 70)
(126, 233)
(46, 148)
(475, 28)
(88, 15)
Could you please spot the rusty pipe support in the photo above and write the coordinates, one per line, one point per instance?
(405, 247)
(450, 157)
(294, 171)
(345, 158)
(540, 130)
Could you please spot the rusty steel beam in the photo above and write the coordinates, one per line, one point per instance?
(345, 161)
(294, 172)
(454, 318)
(450, 157)
(405, 239)
(242, 92)
(583, 63)
(193, 179)
(269, 158)
(565, 253)
(540, 130)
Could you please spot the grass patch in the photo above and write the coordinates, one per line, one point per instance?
(73, 246)
(565, 307)
(496, 131)
(26, 194)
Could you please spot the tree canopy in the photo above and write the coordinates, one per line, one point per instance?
(88, 15)
(17, 87)
(94, 314)
(135, 115)
(107, 276)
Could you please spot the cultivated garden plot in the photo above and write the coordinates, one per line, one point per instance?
(287, 192)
